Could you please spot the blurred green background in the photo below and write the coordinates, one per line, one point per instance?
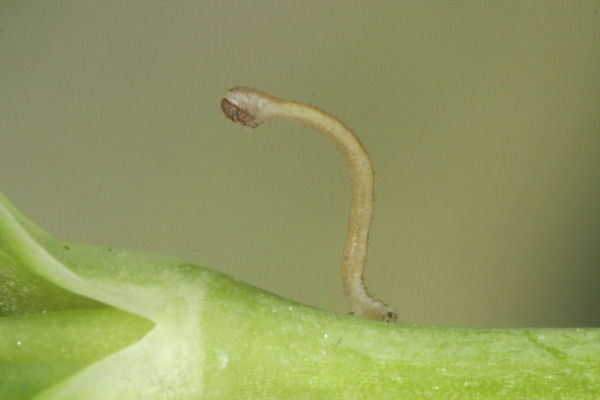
(482, 119)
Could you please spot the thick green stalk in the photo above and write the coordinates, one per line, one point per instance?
(277, 349)
(85, 322)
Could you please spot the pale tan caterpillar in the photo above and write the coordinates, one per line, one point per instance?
(252, 108)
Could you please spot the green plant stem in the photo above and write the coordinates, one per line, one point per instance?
(277, 349)
(192, 333)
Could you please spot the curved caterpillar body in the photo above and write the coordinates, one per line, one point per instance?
(252, 107)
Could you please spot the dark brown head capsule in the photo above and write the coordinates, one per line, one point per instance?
(236, 114)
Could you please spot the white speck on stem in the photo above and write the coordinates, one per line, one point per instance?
(223, 360)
